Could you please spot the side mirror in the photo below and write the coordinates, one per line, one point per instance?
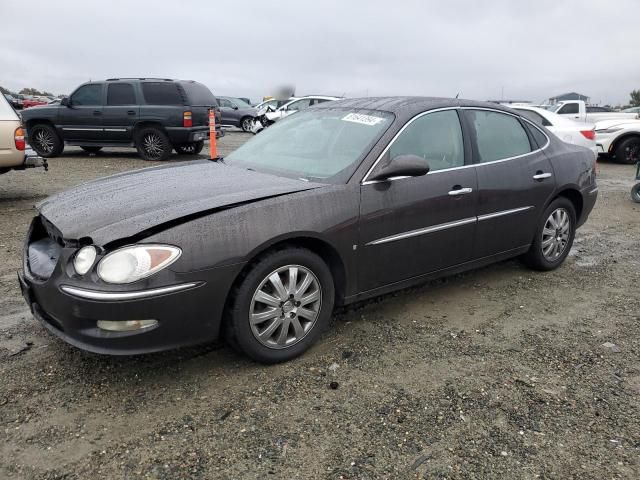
(65, 102)
(401, 166)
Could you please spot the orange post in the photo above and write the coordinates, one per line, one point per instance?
(213, 146)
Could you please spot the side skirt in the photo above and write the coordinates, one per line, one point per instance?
(413, 281)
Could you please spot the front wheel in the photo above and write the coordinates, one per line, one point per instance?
(628, 151)
(45, 141)
(193, 148)
(153, 144)
(282, 306)
(554, 236)
(246, 124)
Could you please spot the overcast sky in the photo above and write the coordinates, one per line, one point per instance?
(531, 49)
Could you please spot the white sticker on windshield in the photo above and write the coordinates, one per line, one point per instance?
(363, 119)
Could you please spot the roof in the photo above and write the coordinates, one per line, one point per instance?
(570, 96)
(409, 106)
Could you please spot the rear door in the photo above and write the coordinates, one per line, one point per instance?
(229, 115)
(515, 180)
(82, 119)
(412, 226)
(120, 113)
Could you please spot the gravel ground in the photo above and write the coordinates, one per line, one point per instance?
(497, 373)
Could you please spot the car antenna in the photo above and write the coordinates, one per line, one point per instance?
(457, 94)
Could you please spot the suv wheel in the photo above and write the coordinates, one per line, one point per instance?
(45, 140)
(246, 124)
(282, 306)
(628, 151)
(153, 144)
(193, 148)
(91, 149)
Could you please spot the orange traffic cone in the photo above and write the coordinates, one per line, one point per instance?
(213, 145)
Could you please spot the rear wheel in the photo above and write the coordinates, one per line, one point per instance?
(91, 149)
(45, 140)
(282, 306)
(554, 236)
(193, 148)
(153, 144)
(628, 151)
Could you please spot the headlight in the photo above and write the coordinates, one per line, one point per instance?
(609, 130)
(132, 263)
(84, 259)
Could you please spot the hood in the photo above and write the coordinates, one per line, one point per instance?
(123, 205)
(604, 124)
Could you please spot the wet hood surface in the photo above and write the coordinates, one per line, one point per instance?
(124, 205)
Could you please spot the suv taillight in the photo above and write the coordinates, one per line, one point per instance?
(186, 119)
(18, 138)
(588, 134)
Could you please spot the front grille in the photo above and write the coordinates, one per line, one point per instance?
(44, 247)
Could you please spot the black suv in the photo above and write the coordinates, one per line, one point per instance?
(152, 114)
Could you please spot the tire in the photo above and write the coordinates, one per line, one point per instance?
(302, 330)
(635, 193)
(628, 152)
(551, 244)
(91, 149)
(153, 144)
(193, 148)
(45, 140)
(246, 124)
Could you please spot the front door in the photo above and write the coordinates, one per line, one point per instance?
(121, 112)
(515, 180)
(82, 119)
(412, 226)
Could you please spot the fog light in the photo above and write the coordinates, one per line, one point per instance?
(126, 325)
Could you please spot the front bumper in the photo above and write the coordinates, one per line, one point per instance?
(187, 315)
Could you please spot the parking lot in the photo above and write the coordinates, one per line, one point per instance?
(497, 373)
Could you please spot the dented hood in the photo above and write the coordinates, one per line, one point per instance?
(123, 205)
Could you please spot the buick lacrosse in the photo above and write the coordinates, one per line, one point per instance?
(341, 202)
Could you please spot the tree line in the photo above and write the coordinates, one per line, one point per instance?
(27, 91)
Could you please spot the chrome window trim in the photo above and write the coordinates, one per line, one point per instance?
(115, 296)
(502, 213)
(395, 137)
(423, 231)
(444, 226)
(371, 182)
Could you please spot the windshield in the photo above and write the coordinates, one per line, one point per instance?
(314, 145)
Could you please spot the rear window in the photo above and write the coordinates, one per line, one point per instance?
(161, 93)
(198, 94)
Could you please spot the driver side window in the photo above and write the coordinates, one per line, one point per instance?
(224, 102)
(436, 137)
(299, 105)
(88, 95)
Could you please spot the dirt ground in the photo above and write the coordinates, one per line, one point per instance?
(496, 373)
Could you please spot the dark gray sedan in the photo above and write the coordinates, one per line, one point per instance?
(341, 202)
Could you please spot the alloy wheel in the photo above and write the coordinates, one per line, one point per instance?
(555, 234)
(44, 141)
(632, 153)
(285, 306)
(152, 144)
(246, 124)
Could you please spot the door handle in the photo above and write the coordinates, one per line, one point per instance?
(541, 176)
(131, 112)
(460, 191)
(97, 112)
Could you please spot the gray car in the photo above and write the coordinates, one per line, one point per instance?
(236, 113)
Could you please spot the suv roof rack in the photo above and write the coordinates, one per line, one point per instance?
(140, 78)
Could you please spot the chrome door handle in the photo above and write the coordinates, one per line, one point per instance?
(541, 176)
(460, 191)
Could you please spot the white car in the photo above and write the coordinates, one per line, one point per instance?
(577, 133)
(620, 139)
(267, 116)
